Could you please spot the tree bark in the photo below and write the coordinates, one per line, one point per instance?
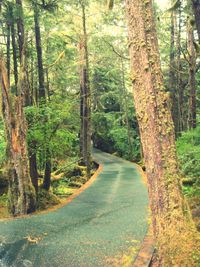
(33, 165)
(14, 48)
(47, 175)
(8, 51)
(20, 26)
(85, 101)
(21, 192)
(192, 73)
(180, 87)
(171, 220)
(42, 93)
(173, 76)
(39, 53)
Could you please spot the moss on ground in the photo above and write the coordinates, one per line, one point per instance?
(63, 185)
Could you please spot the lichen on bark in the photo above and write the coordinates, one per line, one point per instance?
(172, 224)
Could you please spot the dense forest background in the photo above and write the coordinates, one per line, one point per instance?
(51, 49)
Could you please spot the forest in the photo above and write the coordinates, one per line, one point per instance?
(100, 103)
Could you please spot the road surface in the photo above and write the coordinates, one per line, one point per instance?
(103, 226)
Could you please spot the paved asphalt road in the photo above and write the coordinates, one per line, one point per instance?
(103, 226)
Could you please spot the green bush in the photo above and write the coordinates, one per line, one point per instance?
(188, 148)
(110, 135)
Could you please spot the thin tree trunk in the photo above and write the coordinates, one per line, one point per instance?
(172, 76)
(192, 75)
(180, 87)
(42, 93)
(20, 26)
(47, 176)
(39, 53)
(85, 105)
(33, 165)
(172, 224)
(14, 48)
(21, 192)
(8, 51)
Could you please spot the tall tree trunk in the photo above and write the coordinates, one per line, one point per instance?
(173, 76)
(33, 164)
(8, 51)
(20, 26)
(85, 113)
(14, 48)
(196, 9)
(27, 94)
(42, 93)
(21, 192)
(39, 53)
(47, 175)
(172, 224)
(180, 87)
(192, 73)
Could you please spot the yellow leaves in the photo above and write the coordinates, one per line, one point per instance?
(36, 239)
(33, 240)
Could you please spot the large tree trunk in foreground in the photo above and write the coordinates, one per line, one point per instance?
(171, 220)
(85, 105)
(21, 192)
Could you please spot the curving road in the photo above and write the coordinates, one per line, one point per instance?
(103, 226)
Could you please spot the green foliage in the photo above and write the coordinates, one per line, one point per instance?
(188, 147)
(3, 200)
(110, 135)
(52, 124)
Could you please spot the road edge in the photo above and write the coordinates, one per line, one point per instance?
(64, 203)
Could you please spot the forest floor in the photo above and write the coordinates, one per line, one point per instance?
(103, 226)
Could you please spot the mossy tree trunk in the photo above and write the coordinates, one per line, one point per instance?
(27, 92)
(171, 220)
(21, 192)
